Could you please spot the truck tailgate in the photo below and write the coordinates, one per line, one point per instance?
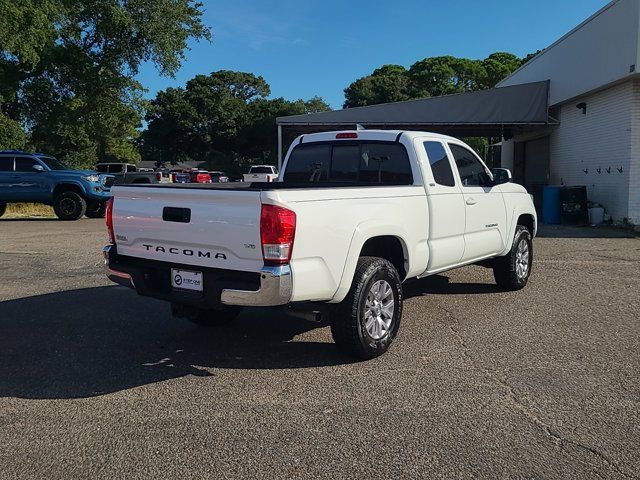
(200, 227)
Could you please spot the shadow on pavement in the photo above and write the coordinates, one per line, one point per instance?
(439, 284)
(92, 341)
(572, 231)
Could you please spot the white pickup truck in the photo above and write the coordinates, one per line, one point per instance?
(353, 215)
(261, 173)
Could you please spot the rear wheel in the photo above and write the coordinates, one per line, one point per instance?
(206, 318)
(69, 206)
(512, 271)
(96, 209)
(3, 208)
(365, 323)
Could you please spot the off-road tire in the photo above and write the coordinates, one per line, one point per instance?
(348, 317)
(96, 209)
(206, 318)
(505, 268)
(69, 206)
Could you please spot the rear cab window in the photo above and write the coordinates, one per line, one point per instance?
(349, 162)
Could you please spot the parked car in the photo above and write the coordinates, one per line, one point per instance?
(200, 176)
(40, 178)
(355, 214)
(218, 177)
(179, 176)
(128, 173)
(261, 173)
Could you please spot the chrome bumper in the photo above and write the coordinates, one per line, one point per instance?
(121, 278)
(276, 286)
(275, 289)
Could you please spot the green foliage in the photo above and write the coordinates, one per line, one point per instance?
(223, 120)
(12, 137)
(433, 76)
(389, 83)
(67, 69)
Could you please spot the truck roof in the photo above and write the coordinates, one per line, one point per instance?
(384, 135)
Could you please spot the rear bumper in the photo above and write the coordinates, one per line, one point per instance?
(271, 286)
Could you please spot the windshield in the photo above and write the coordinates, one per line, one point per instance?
(261, 170)
(54, 163)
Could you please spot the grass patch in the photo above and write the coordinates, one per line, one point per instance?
(29, 210)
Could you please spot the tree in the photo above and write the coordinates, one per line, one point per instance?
(389, 83)
(70, 66)
(223, 120)
(430, 77)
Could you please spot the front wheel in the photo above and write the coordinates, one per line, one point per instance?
(512, 271)
(69, 206)
(3, 208)
(365, 323)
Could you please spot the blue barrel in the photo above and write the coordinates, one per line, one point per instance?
(551, 204)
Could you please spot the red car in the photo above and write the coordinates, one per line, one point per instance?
(200, 176)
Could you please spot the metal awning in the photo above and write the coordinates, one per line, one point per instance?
(493, 112)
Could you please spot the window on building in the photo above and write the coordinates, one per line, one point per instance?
(440, 165)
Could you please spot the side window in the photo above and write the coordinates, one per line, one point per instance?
(344, 163)
(440, 165)
(116, 168)
(472, 172)
(25, 164)
(386, 163)
(6, 164)
(308, 163)
(102, 168)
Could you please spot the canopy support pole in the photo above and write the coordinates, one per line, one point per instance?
(279, 148)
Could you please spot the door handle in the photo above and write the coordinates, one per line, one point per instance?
(471, 201)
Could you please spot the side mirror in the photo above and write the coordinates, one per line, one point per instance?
(38, 168)
(501, 175)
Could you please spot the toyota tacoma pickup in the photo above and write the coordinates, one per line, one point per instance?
(353, 216)
(40, 178)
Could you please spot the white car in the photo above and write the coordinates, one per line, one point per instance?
(354, 215)
(261, 173)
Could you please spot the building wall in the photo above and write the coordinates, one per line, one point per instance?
(602, 50)
(634, 168)
(601, 139)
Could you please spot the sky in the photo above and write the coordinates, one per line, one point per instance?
(306, 48)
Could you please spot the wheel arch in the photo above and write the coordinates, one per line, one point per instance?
(67, 187)
(380, 241)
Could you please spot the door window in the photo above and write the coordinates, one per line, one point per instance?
(440, 165)
(6, 164)
(472, 171)
(25, 164)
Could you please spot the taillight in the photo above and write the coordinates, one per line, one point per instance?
(159, 177)
(109, 219)
(277, 230)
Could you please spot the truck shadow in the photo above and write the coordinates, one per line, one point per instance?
(440, 284)
(93, 341)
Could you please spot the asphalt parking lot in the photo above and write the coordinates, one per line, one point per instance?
(96, 382)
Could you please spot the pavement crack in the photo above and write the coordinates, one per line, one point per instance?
(529, 414)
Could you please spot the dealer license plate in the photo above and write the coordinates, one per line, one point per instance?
(186, 280)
